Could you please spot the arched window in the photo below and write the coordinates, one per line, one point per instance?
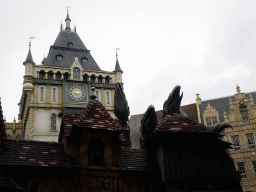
(58, 75)
(41, 74)
(76, 73)
(53, 122)
(95, 152)
(66, 76)
(107, 80)
(50, 75)
(100, 79)
(85, 78)
(93, 78)
(18, 137)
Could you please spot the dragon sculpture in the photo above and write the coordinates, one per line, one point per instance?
(148, 125)
(122, 111)
(171, 106)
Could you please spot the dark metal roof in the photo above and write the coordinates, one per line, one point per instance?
(29, 56)
(71, 111)
(221, 105)
(117, 68)
(67, 18)
(78, 49)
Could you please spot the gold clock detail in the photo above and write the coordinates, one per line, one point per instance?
(76, 93)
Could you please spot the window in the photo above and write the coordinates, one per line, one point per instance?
(50, 75)
(100, 79)
(245, 116)
(41, 74)
(76, 73)
(97, 93)
(41, 93)
(84, 60)
(58, 75)
(70, 44)
(254, 167)
(93, 79)
(53, 122)
(241, 170)
(66, 76)
(108, 95)
(59, 57)
(236, 142)
(54, 94)
(95, 152)
(9, 137)
(85, 77)
(250, 140)
(211, 121)
(107, 80)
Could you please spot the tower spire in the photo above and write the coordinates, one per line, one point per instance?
(68, 20)
(29, 56)
(117, 68)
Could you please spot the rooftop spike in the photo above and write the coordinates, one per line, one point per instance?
(68, 21)
(29, 56)
(117, 68)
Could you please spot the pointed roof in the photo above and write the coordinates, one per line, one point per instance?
(117, 68)
(69, 45)
(2, 128)
(67, 18)
(94, 117)
(29, 56)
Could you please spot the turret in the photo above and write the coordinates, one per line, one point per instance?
(29, 63)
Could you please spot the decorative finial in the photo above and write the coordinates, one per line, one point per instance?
(93, 97)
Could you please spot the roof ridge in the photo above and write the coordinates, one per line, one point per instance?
(228, 96)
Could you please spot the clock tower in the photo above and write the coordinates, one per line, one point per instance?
(61, 84)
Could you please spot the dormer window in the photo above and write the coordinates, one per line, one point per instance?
(59, 57)
(70, 44)
(84, 60)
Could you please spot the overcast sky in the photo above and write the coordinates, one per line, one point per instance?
(205, 46)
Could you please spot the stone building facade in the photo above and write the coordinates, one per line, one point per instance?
(14, 130)
(239, 110)
(61, 84)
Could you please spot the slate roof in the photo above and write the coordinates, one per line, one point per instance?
(34, 153)
(60, 47)
(135, 160)
(117, 68)
(29, 56)
(179, 123)
(221, 105)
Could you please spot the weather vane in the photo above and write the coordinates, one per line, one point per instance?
(117, 49)
(68, 7)
(31, 37)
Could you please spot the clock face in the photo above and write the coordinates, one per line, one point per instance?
(76, 92)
